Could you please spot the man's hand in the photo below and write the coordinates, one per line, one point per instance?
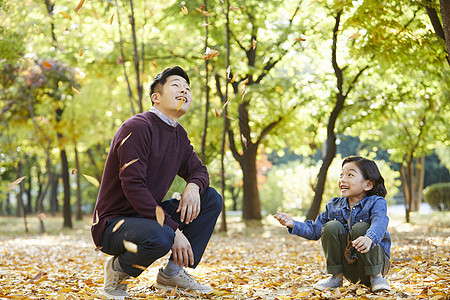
(362, 244)
(190, 203)
(181, 250)
(284, 219)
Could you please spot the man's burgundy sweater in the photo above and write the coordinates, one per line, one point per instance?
(155, 153)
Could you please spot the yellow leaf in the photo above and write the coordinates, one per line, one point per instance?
(47, 64)
(234, 77)
(300, 39)
(355, 36)
(139, 267)
(312, 2)
(204, 12)
(92, 180)
(80, 52)
(154, 63)
(118, 224)
(244, 82)
(65, 15)
(216, 111)
(360, 291)
(160, 215)
(132, 247)
(128, 164)
(234, 8)
(174, 291)
(15, 182)
(76, 91)
(124, 139)
(279, 89)
(179, 104)
(230, 118)
(184, 10)
(226, 103)
(111, 19)
(210, 54)
(80, 4)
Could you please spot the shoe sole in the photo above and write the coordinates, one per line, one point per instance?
(169, 287)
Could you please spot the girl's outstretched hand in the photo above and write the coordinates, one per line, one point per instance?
(284, 219)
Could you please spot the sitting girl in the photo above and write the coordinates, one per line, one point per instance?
(352, 229)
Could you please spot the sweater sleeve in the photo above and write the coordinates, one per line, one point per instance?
(133, 156)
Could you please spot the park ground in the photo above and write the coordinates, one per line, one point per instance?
(246, 262)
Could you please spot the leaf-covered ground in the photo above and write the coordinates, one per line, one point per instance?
(261, 263)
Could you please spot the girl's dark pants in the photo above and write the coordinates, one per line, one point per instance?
(154, 241)
(334, 240)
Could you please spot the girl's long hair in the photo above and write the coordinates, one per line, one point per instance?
(369, 170)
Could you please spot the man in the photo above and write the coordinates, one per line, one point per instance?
(146, 154)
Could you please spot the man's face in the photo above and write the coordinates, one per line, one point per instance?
(167, 98)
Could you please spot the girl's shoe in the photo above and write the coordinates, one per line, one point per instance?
(329, 283)
(379, 283)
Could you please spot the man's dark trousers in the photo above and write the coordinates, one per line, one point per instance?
(154, 241)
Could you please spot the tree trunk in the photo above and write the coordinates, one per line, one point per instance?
(20, 206)
(29, 207)
(54, 181)
(78, 178)
(67, 212)
(445, 13)
(405, 188)
(251, 206)
(207, 89)
(421, 181)
(8, 205)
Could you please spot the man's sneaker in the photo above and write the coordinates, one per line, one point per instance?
(379, 283)
(112, 287)
(182, 281)
(329, 283)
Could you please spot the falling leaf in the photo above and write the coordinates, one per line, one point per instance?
(244, 141)
(228, 117)
(80, 4)
(300, 39)
(92, 180)
(204, 12)
(96, 219)
(244, 82)
(312, 2)
(42, 216)
(132, 247)
(111, 19)
(15, 182)
(185, 10)
(226, 103)
(234, 8)
(206, 24)
(228, 71)
(176, 195)
(139, 267)
(179, 104)
(216, 111)
(355, 36)
(234, 77)
(128, 164)
(76, 91)
(210, 54)
(160, 215)
(65, 15)
(253, 45)
(74, 171)
(118, 224)
(124, 139)
(154, 63)
(80, 52)
(244, 92)
(279, 89)
(47, 64)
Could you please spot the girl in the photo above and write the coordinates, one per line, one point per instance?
(352, 229)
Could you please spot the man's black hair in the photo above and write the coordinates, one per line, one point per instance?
(162, 77)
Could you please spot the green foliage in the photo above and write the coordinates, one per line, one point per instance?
(11, 45)
(438, 196)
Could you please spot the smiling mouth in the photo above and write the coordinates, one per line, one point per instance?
(182, 98)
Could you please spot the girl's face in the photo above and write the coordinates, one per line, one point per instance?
(352, 183)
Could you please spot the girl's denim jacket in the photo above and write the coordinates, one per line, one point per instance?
(372, 210)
